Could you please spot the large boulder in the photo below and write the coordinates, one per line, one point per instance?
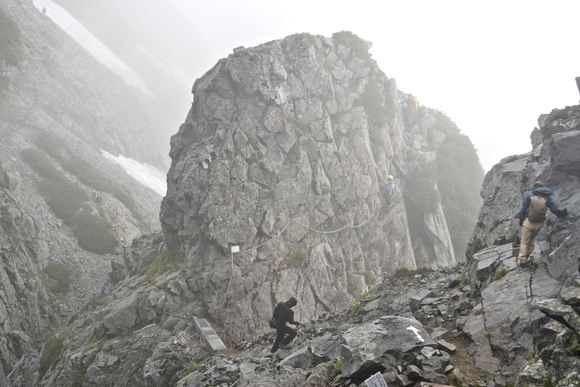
(382, 344)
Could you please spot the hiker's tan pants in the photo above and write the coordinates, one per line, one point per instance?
(529, 232)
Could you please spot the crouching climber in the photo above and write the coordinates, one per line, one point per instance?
(532, 216)
(283, 314)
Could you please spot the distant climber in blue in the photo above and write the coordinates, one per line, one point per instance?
(532, 216)
(389, 187)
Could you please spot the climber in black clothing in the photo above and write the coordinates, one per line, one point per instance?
(284, 314)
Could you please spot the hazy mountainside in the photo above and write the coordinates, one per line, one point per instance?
(143, 35)
(58, 108)
(46, 72)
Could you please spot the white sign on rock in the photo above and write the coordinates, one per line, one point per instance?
(376, 381)
(416, 332)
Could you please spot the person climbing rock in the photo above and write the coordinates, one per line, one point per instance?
(413, 103)
(389, 187)
(413, 107)
(283, 314)
(532, 216)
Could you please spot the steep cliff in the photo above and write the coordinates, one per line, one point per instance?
(284, 154)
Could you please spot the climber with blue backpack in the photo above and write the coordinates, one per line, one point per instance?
(532, 216)
(389, 187)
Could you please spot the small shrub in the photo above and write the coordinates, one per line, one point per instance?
(479, 311)
(369, 277)
(63, 197)
(86, 173)
(338, 364)
(456, 380)
(494, 224)
(226, 186)
(94, 233)
(80, 376)
(51, 352)
(191, 368)
(487, 334)
(464, 279)
(404, 273)
(68, 201)
(57, 278)
(499, 274)
(167, 260)
(298, 259)
(355, 307)
(252, 137)
(359, 47)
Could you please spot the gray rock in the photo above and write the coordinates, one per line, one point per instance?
(385, 342)
(299, 359)
(446, 346)
(560, 312)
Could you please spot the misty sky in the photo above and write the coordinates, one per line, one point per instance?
(492, 66)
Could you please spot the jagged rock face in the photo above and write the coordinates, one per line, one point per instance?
(21, 291)
(554, 161)
(281, 156)
(551, 288)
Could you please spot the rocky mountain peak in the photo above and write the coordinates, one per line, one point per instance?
(284, 155)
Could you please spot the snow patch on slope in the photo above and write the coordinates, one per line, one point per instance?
(145, 174)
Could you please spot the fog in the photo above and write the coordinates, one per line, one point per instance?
(493, 67)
